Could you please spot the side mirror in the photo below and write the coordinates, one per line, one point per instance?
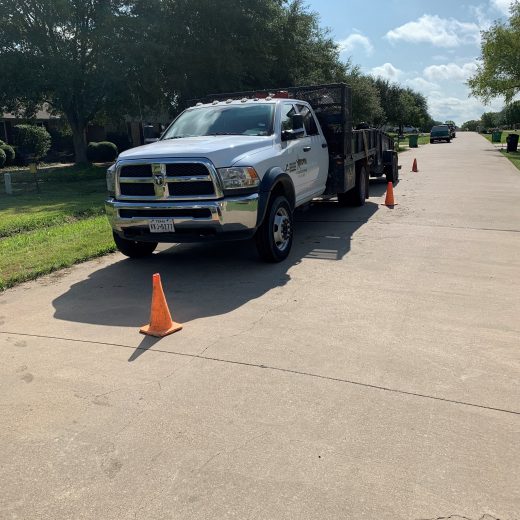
(297, 131)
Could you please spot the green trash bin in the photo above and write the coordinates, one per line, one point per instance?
(496, 137)
(413, 141)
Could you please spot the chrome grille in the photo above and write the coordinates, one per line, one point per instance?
(168, 179)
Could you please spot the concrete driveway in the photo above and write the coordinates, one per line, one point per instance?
(374, 375)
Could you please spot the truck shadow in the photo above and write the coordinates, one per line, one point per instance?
(202, 280)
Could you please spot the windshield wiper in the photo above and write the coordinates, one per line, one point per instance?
(223, 133)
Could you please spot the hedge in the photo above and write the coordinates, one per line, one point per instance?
(32, 140)
(2, 158)
(9, 153)
(103, 151)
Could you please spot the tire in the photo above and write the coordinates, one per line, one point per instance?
(393, 175)
(132, 248)
(448, 140)
(359, 193)
(274, 237)
(431, 141)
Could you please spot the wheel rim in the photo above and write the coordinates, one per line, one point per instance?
(282, 229)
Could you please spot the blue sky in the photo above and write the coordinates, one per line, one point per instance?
(430, 46)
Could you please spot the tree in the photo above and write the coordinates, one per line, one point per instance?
(491, 119)
(67, 54)
(402, 106)
(471, 126)
(511, 114)
(498, 73)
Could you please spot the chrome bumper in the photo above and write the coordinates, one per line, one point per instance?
(232, 215)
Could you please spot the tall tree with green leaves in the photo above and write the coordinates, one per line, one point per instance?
(68, 54)
(498, 73)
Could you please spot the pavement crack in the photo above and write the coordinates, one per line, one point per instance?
(363, 384)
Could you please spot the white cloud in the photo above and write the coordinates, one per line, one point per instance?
(422, 86)
(502, 5)
(450, 71)
(386, 71)
(444, 107)
(354, 41)
(437, 31)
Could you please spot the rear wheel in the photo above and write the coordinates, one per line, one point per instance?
(275, 235)
(392, 172)
(132, 248)
(359, 193)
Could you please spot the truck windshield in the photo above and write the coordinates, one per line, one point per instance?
(223, 120)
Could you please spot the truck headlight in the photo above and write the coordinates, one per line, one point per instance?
(238, 177)
(111, 180)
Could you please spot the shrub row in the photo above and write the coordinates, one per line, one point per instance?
(7, 154)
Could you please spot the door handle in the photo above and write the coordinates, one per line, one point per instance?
(306, 148)
(324, 145)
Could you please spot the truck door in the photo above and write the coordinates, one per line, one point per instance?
(293, 153)
(314, 152)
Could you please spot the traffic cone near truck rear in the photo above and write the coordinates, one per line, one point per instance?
(161, 323)
(414, 167)
(389, 199)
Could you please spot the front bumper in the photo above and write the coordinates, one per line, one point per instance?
(227, 218)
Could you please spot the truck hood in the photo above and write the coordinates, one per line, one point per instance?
(221, 150)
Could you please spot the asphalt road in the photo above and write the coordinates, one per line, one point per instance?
(373, 375)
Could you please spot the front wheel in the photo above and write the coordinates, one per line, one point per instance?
(274, 237)
(132, 248)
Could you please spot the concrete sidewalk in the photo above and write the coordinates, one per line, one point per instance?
(374, 375)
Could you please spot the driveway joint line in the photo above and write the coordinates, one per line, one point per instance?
(278, 369)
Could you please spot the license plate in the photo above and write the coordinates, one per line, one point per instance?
(161, 225)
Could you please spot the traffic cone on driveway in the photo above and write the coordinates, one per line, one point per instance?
(389, 199)
(414, 167)
(161, 323)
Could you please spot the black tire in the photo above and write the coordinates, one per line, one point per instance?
(431, 141)
(392, 173)
(274, 237)
(359, 193)
(448, 140)
(134, 249)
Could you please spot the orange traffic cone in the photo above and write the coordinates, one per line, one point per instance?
(414, 167)
(389, 199)
(161, 323)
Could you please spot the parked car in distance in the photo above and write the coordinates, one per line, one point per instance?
(452, 131)
(440, 133)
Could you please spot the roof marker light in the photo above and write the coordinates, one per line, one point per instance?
(229, 100)
(215, 102)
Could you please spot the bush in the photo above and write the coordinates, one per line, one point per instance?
(103, 151)
(33, 141)
(9, 153)
(2, 158)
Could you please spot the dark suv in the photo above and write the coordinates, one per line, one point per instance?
(440, 133)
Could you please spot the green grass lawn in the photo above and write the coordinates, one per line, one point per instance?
(58, 226)
(514, 157)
